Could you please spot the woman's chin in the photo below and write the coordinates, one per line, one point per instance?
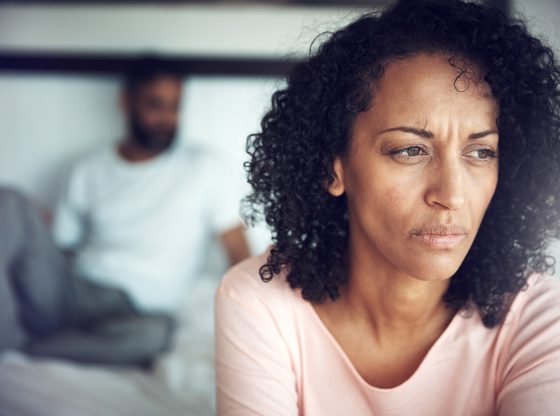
(435, 269)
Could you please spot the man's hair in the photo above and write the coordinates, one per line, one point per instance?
(310, 124)
(146, 69)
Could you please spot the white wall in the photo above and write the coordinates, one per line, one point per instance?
(198, 29)
(49, 121)
(543, 19)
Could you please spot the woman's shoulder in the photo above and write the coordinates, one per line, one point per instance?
(244, 281)
(540, 297)
(532, 327)
(529, 362)
(244, 301)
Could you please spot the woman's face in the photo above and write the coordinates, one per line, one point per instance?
(421, 167)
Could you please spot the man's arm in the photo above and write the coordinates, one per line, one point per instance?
(69, 220)
(235, 244)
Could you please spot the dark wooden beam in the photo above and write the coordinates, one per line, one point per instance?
(107, 64)
(502, 4)
(347, 3)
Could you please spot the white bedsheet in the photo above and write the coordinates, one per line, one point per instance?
(31, 387)
(182, 382)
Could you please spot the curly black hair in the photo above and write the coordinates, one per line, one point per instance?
(309, 125)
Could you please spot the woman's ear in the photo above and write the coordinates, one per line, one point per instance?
(336, 187)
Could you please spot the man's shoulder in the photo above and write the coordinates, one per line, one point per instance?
(93, 160)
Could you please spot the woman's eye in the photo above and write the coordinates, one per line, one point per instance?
(482, 154)
(411, 151)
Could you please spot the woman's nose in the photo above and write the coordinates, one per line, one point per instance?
(446, 185)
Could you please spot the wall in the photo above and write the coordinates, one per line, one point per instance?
(48, 121)
(543, 19)
(197, 29)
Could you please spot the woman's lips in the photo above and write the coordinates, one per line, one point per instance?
(440, 236)
(440, 241)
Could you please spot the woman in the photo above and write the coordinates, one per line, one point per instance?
(409, 173)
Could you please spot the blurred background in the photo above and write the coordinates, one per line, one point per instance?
(60, 80)
(60, 63)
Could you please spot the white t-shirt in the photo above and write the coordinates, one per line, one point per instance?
(145, 227)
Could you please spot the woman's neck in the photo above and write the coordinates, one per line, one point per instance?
(392, 302)
(396, 308)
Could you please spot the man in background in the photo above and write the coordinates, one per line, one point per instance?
(141, 215)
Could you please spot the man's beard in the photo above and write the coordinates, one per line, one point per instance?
(151, 139)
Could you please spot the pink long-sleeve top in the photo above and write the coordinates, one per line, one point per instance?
(275, 357)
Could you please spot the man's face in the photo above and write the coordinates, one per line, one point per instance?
(153, 112)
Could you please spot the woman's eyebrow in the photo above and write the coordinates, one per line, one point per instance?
(475, 136)
(419, 132)
(429, 135)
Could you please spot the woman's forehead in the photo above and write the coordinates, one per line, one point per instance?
(420, 85)
(428, 70)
